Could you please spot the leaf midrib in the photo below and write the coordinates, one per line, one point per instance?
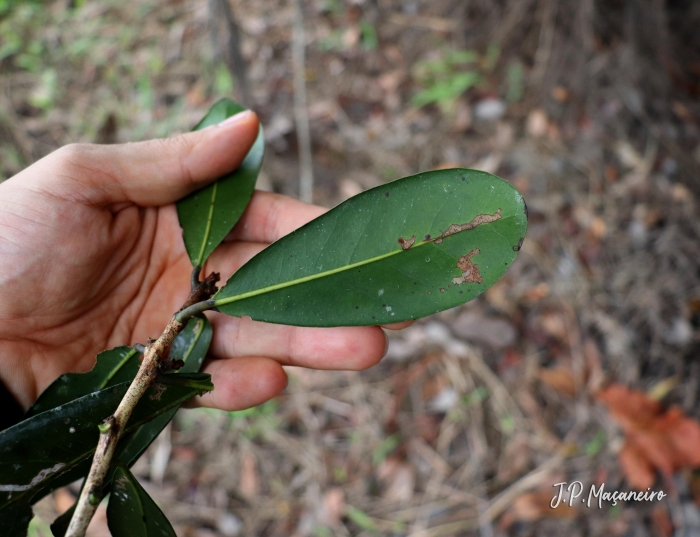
(207, 229)
(116, 369)
(319, 275)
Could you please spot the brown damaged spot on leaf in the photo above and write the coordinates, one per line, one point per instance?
(470, 270)
(121, 483)
(406, 243)
(476, 221)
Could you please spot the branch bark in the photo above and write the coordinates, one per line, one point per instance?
(111, 429)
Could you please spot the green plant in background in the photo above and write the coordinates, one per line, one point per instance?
(368, 36)
(446, 79)
(403, 250)
(515, 78)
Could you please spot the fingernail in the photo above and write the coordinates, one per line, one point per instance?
(386, 345)
(240, 116)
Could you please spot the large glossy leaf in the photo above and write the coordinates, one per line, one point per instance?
(121, 364)
(190, 346)
(38, 450)
(208, 215)
(112, 367)
(131, 512)
(404, 250)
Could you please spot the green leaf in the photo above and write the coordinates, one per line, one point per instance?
(120, 365)
(190, 346)
(386, 255)
(37, 451)
(361, 519)
(113, 367)
(208, 215)
(131, 512)
(15, 519)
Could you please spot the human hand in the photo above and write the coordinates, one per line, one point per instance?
(91, 257)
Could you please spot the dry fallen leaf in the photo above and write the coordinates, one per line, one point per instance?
(554, 324)
(537, 123)
(560, 379)
(398, 480)
(533, 506)
(661, 521)
(334, 505)
(657, 439)
(249, 485)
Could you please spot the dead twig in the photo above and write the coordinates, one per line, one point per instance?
(301, 116)
(234, 56)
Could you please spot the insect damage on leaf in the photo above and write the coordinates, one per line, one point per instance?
(476, 221)
(121, 483)
(406, 243)
(38, 479)
(470, 270)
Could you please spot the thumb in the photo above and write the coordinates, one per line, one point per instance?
(155, 172)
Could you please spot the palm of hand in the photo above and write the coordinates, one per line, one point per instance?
(78, 279)
(91, 257)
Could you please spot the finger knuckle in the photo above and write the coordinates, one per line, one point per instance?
(180, 147)
(271, 222)
(71, 154)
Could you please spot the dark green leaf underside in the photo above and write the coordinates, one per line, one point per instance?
(36, 451)
(348, 267)
(208, 215)
(112, 367)
(15, 519)
(190, 346)
(131, 512)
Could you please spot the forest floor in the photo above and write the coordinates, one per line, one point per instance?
(580, 364)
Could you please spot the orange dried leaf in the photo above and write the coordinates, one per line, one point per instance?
(636, 466)
(533, 506)
(657, 439)
(560, 379)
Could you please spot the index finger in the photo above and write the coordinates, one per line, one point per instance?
(270, 216)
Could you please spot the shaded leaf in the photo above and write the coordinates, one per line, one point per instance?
(121, 364)
(190, 346)
(39, 450)
(400, 251)
(656, 439)
(208, 215)
(131, 512)
(112, 367)
(15, 519)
